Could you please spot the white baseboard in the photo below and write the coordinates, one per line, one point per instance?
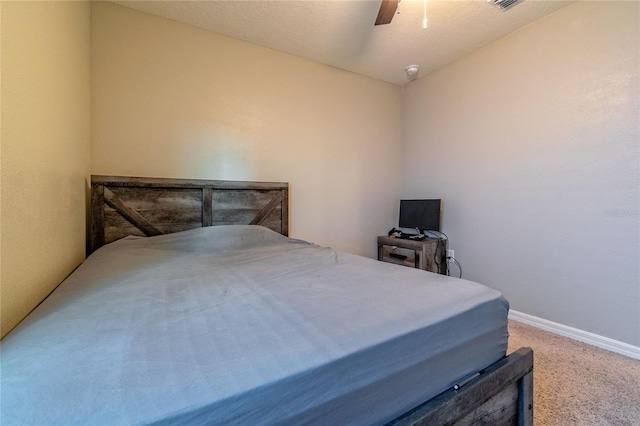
(576, 334)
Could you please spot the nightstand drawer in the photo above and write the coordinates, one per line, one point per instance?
(399, 255)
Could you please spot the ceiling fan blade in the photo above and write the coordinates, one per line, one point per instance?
(387, 10)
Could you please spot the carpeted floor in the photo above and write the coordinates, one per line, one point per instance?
(578, 384)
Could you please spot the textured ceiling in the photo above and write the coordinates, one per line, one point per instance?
(341, 33)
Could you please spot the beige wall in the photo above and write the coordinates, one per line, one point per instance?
(170, 100)
(533, 143)
(45, 149)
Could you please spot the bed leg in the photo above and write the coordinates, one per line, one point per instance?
(525, 400)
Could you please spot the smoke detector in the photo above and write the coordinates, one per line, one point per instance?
(412, 70)
(504, 4)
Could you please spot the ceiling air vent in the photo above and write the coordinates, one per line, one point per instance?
(504, 4)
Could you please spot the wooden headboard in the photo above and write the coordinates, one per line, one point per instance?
(122, 206)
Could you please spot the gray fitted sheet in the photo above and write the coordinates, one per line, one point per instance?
(240, 325)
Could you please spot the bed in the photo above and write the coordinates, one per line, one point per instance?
(196, 308)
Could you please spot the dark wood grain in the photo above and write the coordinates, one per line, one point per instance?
(284, 230)
(135, 218)
(387, 10)
(207, 207)
(266, 210)
(429, 254)
(502, 386)
(124, 206)
(150, 182)
(97, 216)
(525, 400)
(244, 206)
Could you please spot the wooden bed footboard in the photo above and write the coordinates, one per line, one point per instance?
(501, 395)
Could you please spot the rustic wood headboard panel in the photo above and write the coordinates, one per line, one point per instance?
(122, 206)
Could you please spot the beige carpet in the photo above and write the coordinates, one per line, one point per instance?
(576, 383)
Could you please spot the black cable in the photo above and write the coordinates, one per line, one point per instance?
(439, 232)
(457, 263)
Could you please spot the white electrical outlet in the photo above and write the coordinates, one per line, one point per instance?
(451, 255)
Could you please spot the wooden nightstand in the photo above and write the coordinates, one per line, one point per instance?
(429, 254)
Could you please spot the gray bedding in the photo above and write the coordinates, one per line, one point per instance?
(240, 325)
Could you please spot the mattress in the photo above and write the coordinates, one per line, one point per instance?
(241, 325)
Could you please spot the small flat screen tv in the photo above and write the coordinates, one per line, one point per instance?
(421, 214)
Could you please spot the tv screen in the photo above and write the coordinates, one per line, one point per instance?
(421, 214)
